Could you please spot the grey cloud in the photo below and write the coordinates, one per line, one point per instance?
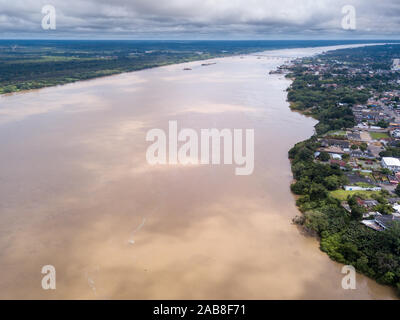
(191, 18)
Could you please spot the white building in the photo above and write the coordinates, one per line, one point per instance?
(336, 156)
(357, 188)
(396, 64)
(391, 163)
(396, 133)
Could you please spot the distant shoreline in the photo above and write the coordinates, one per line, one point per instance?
(112, 65)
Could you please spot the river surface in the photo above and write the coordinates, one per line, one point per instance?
(77, 192)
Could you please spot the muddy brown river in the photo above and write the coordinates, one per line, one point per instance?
(76, 191)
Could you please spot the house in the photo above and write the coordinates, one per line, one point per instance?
(360, 154)
(346, 206)
(336, 143)
(396, 207)
(390, 163)
(336, 156)
(395, 133)
(396, 65)
(394, 125)
(371, 214)
(370, 203)
(332, 150)
(360, 202)
(393, 179)
(386, 221)
(340, 163)
(357, 188)
(381, 222)
(354, 136)
(393, 200)
(372, 224)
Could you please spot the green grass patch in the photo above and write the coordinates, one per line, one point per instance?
(343, 194)
(335, 133)
(378, 135)
(364, 185)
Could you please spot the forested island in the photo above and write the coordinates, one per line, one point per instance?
(347, 174)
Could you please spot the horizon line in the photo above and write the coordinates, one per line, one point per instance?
(111, 39)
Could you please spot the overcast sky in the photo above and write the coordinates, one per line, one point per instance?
(201, 19)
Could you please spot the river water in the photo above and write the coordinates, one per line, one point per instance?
(77, 193)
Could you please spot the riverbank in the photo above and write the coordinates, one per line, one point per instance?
(26, 65)
(330, 99)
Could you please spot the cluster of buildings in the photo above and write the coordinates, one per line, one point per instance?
(374, 219)
(337, 68)
(358, 150)
(377, 128)
(383, 107)
(361, 151)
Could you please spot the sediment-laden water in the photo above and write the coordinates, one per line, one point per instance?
(77, 193)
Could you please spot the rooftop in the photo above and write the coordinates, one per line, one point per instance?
(389, 161)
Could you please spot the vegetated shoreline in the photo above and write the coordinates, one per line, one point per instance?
(211, 57)
(76, 65)
(113, 74)
(312, 226)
